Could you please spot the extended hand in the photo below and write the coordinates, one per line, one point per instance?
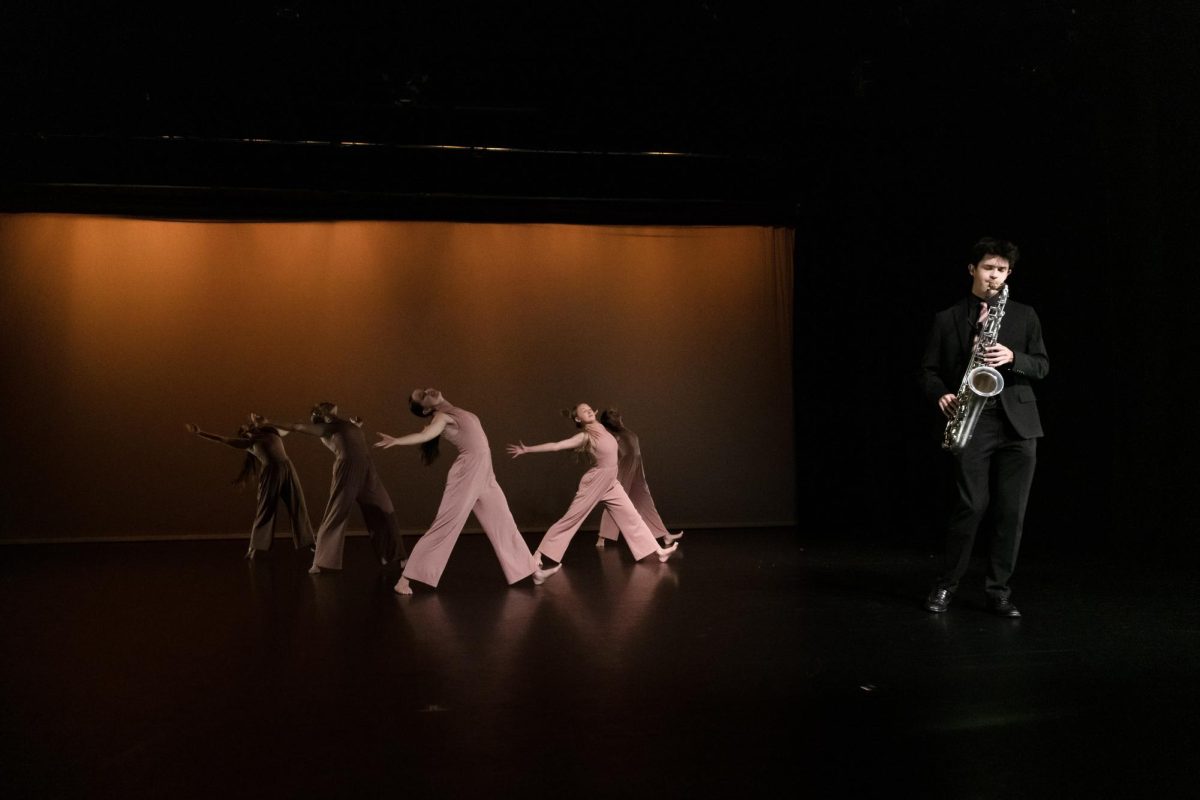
(518, 449)
(386, 441)
(192, 428)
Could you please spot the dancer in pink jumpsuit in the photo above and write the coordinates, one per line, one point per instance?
(277, 480)
(598, 485)
(632, 477)
(354, 480)
(470, 487)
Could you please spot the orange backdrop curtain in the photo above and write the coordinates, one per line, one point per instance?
(115, 332)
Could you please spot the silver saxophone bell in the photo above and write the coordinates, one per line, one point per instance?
(982, 382)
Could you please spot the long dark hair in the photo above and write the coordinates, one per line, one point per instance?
(249, 463)
(429, 450)
(611, 419)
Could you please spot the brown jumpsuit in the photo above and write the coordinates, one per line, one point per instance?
(355, 481)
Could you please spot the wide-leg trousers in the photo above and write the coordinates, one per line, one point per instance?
(636, 487)
(470, 487)
(599, 486)
(277, 483)
(358, 482)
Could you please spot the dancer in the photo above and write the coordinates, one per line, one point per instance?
(598, 485)
(470, 486)
(268, 462)
(354, 480)
(632, 477)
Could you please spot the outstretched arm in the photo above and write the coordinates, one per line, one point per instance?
(235, 442)
(311, 428)
(261, 423)
(573, 443)
(276, 429)
(428, 433)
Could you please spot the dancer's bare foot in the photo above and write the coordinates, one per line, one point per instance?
(402, 586)
(314, 570)
(540, 575)
(671, 537)
(250, 554)
(599, 541)
(537, 560)
(665, 552)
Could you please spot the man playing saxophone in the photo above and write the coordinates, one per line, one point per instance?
(993, 469)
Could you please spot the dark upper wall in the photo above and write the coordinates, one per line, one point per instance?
(318, 109)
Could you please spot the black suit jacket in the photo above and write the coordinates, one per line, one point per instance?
(948, 352)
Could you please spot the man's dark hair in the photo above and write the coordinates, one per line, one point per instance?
(988, 246)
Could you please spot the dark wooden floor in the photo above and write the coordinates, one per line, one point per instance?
(750, 665)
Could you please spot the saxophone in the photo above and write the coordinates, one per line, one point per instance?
(979, 382)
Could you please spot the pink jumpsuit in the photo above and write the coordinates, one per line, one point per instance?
(355, 480)
(632, 478)
(277, 481)
(470, 486)
(599, 485)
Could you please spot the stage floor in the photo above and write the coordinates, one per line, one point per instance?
(750, 665)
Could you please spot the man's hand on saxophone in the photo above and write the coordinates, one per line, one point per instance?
(948, 403)
(997, 355)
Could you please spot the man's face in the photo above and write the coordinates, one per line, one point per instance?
(988, 276)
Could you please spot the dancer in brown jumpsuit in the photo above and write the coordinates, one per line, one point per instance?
(277, 480)
(632, 477)
(470, 487)
(598, 485)
(354, 480)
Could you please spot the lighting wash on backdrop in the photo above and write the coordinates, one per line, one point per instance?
(118, 331)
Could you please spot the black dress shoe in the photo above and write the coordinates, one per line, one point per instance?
(938, 600)
(1004, 608)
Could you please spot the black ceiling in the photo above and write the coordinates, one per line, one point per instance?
(365, 107)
